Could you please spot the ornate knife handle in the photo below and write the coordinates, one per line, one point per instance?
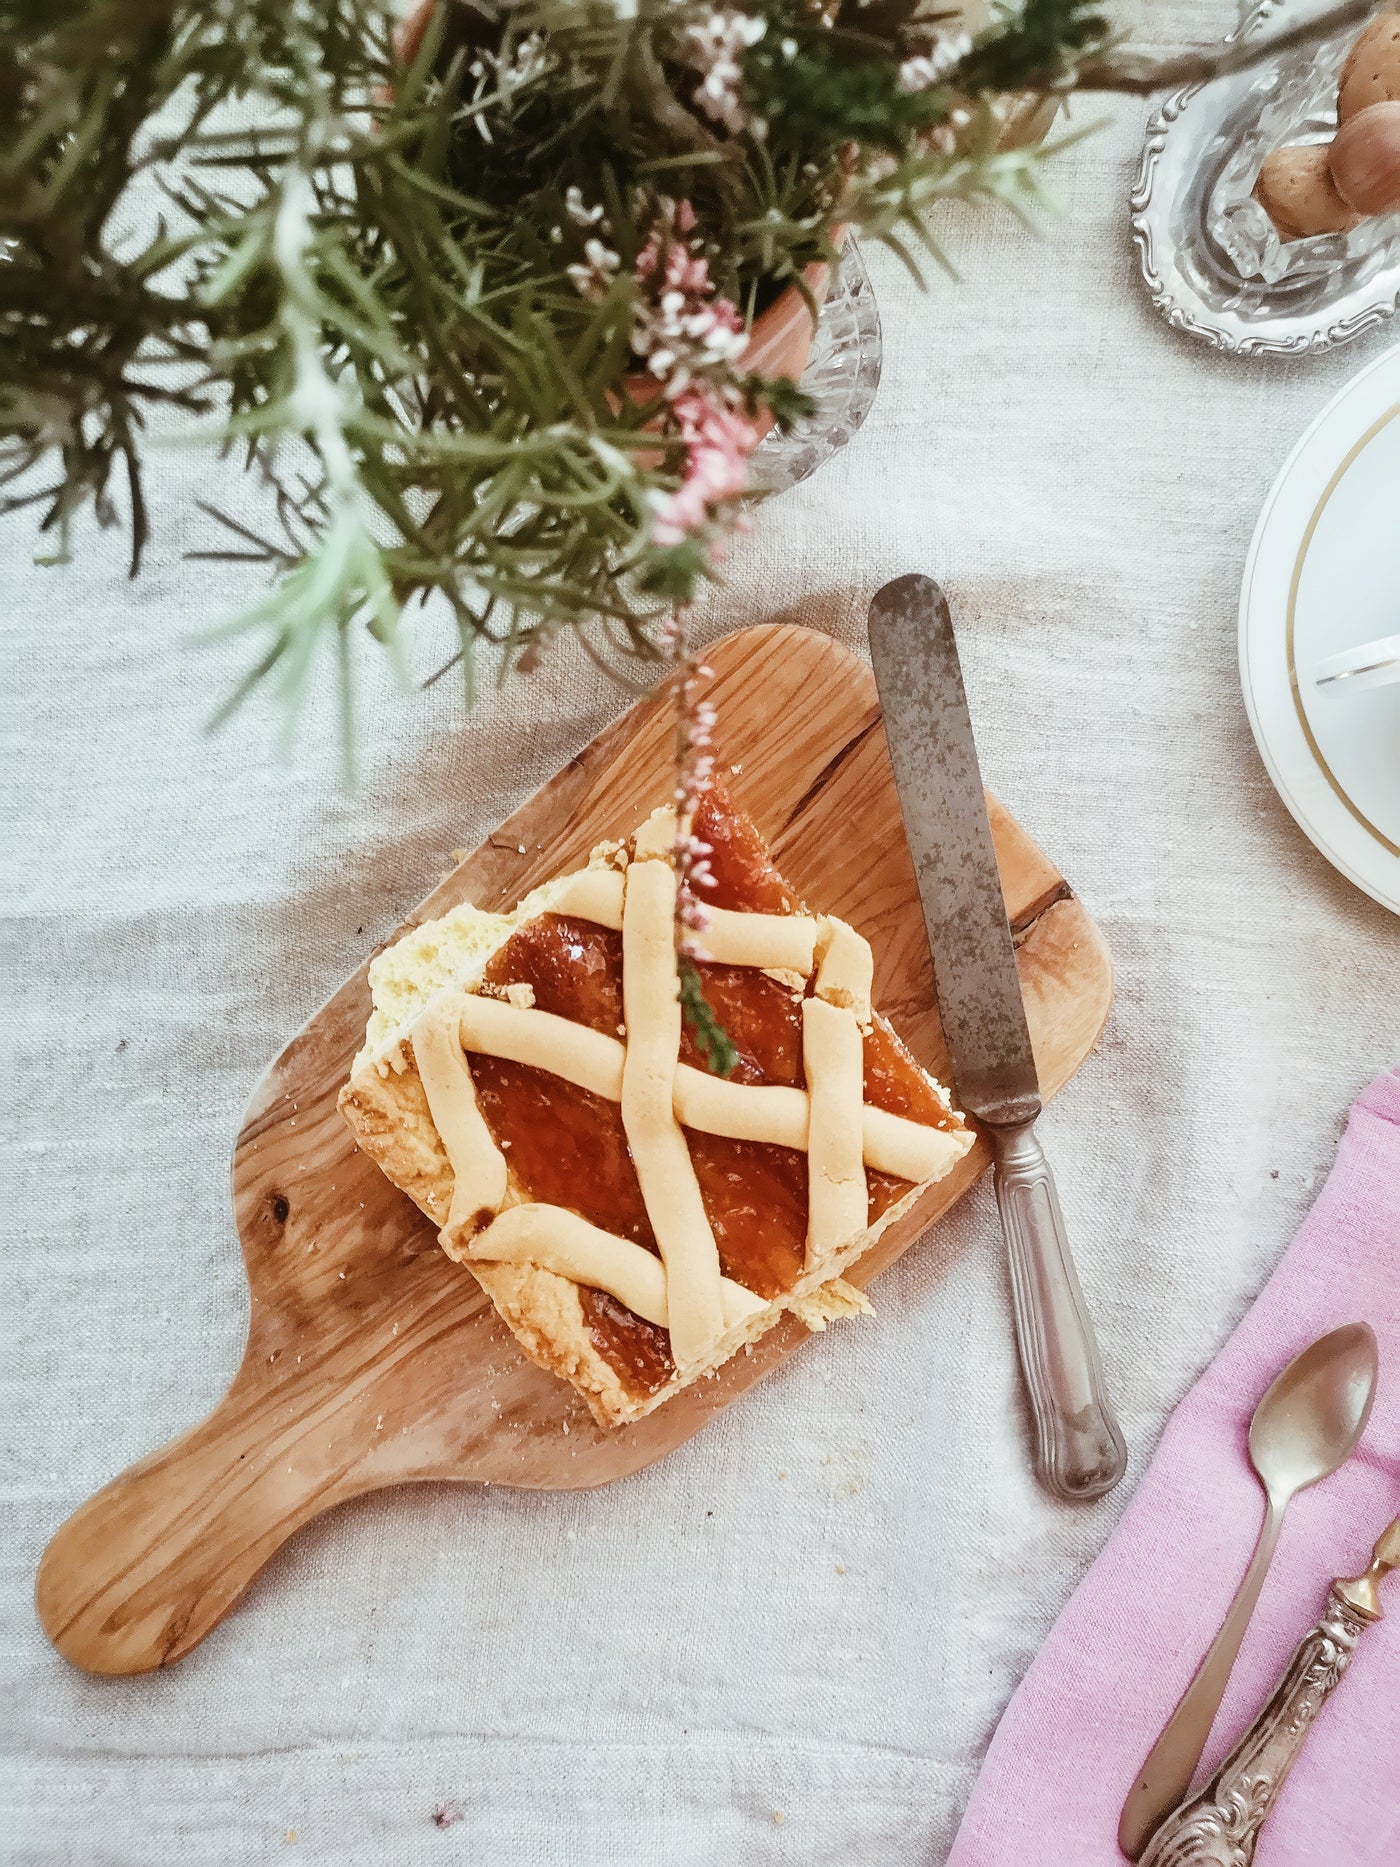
(1220, 1826)
(1080, 1452)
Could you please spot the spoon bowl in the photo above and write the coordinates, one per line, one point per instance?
(1311, 1417)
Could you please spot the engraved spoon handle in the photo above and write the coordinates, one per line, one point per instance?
(1166, 1775)
(1220, 1826)
(1080, 1452)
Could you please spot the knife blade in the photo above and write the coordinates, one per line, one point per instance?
(929, 730)
(1080, 1452)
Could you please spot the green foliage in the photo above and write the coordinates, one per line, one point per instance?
(359, 273)
(711, 1039)
(1041, 43)
(821, 85)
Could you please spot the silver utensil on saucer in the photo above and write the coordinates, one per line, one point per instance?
(1080, 1450)
(1306, 1425)
(1220, 1826)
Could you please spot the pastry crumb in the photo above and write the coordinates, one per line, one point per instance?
(781, 975)
(778, 1818)
(521, 995)
(829, 1302)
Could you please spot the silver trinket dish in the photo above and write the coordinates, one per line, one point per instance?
(1210, 258)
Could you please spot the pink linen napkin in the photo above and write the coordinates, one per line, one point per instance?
(1074, 1735)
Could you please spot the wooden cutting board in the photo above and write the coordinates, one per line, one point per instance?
(372, 1359)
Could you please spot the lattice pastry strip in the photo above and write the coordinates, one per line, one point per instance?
(769, 1112)
(652, 1013)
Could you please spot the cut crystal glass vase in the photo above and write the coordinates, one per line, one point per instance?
(842, 375)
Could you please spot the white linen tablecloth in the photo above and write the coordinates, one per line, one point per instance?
(790, 1641)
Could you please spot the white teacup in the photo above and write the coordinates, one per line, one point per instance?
(1370, 664)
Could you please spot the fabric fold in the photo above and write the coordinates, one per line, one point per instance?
(1077, 1729)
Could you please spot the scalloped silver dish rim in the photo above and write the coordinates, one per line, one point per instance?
(1153, 194)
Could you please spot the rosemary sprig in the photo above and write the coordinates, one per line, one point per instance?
(253, 220)
(711, 1039)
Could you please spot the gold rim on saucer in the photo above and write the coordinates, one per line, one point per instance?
(1316, 750)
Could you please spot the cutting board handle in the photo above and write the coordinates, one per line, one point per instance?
(148, 1565)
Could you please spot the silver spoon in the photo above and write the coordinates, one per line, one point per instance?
(1235, 1804)
(1306, 1425)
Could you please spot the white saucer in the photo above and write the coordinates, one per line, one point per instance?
(1324, 575)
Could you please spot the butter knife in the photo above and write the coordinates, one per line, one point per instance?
(1219, 1827)
(1079, 1448)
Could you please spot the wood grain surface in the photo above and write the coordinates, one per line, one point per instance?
(372, 1359)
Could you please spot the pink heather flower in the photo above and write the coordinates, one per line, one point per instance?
(714, 49)
(595, 272)
(946, 51)
(690, 340)
(718, 444)
(681, 328)
(695, 762)
(694, 849)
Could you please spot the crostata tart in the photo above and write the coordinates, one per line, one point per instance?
(529, 1081)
